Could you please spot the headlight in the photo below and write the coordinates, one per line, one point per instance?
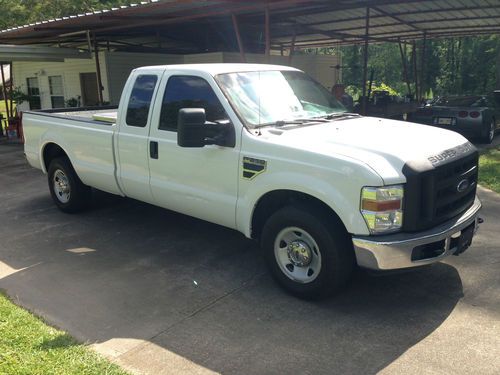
(382, 208)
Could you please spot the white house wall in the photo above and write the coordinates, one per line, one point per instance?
(120, 64)
(70, 71)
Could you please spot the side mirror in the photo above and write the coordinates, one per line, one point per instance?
(191, 127)
(194, 131)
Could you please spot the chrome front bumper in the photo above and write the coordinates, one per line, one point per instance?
(395, 251)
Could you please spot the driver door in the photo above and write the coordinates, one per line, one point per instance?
(200, 182)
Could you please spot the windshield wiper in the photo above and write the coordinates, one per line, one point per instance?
(334, 115)
(297, 121)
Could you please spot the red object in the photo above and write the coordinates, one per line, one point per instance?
(474, 114)
(425, 112)
(463, 114)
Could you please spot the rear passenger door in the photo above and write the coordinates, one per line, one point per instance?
(132, 142)
(200, 182)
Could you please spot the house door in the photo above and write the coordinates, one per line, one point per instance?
(88, 82)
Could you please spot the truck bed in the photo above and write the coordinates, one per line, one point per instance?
(85, 135)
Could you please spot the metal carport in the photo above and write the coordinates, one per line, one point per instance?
(265, 26)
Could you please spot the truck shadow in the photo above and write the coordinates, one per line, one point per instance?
(129, 270)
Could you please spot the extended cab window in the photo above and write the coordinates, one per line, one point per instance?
(140, 100)
(188, 92)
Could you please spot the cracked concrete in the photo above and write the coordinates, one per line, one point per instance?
(161, 293)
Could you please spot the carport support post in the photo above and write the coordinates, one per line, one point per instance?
(292, 47)
(365, 62)
(4, 89)
(238, 38)
(98, 71)
(422, 66)
(268, 36)
(415, 72)
(405, 68)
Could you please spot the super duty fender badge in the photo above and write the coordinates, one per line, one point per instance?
(451, 153)
(253, 167)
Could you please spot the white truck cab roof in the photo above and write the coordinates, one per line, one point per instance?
(217, 68)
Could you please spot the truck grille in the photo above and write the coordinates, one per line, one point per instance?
(437, 194)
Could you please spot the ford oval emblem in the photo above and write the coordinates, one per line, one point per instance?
(463, 185)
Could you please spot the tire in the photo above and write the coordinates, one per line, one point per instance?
(67, 190)
(490, 133)
(308, 253)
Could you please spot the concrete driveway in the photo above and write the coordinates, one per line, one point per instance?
(160, 292)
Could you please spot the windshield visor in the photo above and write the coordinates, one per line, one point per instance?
(267, 97)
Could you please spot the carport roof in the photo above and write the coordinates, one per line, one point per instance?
(199, 26)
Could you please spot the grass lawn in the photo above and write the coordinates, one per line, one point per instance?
(489, 169)
(29, 346)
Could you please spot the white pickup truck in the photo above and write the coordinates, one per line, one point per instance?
(267, 151)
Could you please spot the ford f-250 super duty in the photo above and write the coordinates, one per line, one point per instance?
(269, 152)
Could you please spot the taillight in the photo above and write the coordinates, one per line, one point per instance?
(425, 112)
(463, 114)
(474, 114)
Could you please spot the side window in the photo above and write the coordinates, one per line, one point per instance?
(188, 92)
(140, 100)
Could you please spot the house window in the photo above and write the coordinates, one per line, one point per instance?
(33, 93)
(56, 91)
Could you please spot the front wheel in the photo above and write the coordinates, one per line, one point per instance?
(309, 253)
(68, 192)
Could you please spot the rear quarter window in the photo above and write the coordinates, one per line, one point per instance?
(140, 100)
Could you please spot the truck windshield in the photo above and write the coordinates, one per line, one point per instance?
(272, 97)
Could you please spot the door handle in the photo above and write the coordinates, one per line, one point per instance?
(153, 149)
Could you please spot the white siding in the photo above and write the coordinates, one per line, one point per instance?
(70, 71)
(120, 64)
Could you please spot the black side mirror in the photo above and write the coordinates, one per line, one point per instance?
(191, 127)
(194, 131)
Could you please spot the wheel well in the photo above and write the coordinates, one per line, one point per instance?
(50, 152)
(277, 199)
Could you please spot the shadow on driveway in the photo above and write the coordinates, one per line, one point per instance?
(125, 269)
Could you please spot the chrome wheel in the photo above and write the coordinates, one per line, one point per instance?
(61, 186)
(297, 254)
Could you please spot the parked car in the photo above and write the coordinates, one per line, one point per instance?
(472, 116)
(267, 151)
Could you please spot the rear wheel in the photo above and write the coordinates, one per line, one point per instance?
(308, 253)
(67, 190)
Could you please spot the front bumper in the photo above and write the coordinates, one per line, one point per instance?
(396, 251)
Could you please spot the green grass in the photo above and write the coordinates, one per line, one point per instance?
(489, 169)
(29, 346)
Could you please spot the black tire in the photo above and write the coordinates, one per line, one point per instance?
(335, 250)
(60, 169)
(489, 135)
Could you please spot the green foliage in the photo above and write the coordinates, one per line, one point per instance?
(456, 66)
(28, 346)
(383, 87)
(19, 96)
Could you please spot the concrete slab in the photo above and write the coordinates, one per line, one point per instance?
(159, 292)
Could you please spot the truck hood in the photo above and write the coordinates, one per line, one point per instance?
(384, 145)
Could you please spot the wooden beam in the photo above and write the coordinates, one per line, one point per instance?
(364, 104)
(238, 38)
(405, 67)
(292, 48)
(267, 32)
(98, 71)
